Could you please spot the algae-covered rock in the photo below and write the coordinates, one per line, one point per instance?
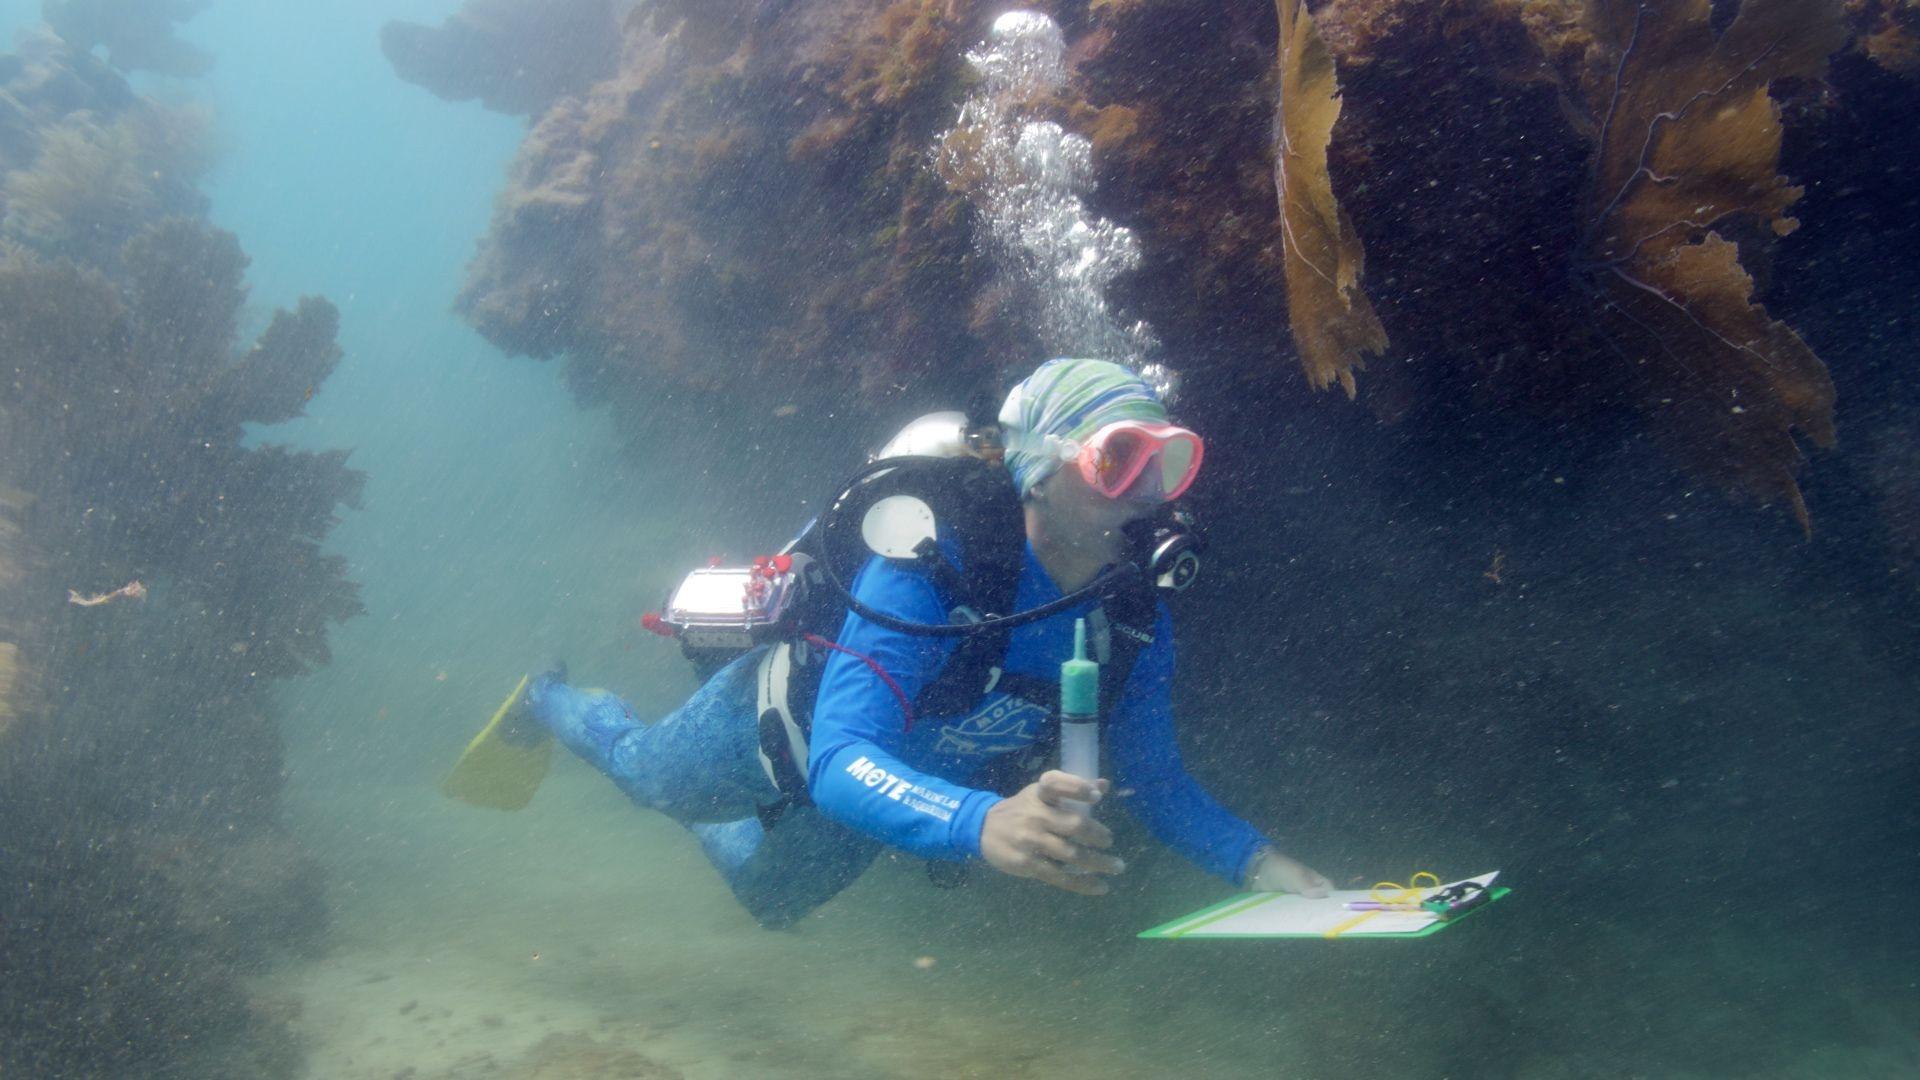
(744, 210)
(85, 163)
(1565, 209)
(136, 34)
(514, 56)
(1563, 213)
(157, 572)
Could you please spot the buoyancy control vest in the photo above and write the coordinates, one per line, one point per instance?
(787, 682)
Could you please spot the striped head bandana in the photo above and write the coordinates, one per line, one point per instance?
(1068, 400)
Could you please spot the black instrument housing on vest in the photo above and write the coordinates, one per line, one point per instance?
(976, 509)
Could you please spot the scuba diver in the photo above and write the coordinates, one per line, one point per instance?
(912, 708)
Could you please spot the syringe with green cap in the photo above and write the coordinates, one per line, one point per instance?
(1080, 713)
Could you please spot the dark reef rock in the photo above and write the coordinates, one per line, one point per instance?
(514, 56)
(137, 34)
(745, 210)
(144, 875)
(750, 201)
(1647, 143)
(1894, 480)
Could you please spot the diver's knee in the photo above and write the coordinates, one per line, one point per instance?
(773, 912)
(778, 921)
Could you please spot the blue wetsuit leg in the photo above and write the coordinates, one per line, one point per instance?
(782, 874)
(700, 765)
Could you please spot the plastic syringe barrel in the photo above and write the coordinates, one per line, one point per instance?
(1080, 714)
(1080, 753)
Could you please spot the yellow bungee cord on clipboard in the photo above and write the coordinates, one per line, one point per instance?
(1390, 896)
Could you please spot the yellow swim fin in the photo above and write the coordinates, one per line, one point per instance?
(494, 772)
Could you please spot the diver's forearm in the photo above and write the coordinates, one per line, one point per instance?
(860, 785)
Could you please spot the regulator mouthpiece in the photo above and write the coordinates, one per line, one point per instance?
(1167, 548)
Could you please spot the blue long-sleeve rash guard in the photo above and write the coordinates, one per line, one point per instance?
(867, 769)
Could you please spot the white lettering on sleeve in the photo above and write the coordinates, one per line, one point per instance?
(901, 790)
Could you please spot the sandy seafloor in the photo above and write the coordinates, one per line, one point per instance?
(585, 938)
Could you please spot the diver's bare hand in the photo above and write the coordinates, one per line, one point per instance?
(1035, 835)
(1275, 872)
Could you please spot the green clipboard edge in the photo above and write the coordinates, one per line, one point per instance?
(1179, 928)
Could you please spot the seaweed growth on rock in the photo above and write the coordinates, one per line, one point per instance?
(84, 163)
(1688, 148)
(757, 206)
(137, 34)
(93, 183)
(744, 210)
(1333, 322)
(1646, 140)
(512, 55)
(1888, 32)
(158, 573)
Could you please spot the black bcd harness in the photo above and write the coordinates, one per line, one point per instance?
(980, 516)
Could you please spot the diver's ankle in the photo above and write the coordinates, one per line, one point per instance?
(521, 728)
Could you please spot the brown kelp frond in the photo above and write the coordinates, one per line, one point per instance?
(1690, 134)
(1689, 143)
(131, 362)
(1888, 31)
(1334, 325)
